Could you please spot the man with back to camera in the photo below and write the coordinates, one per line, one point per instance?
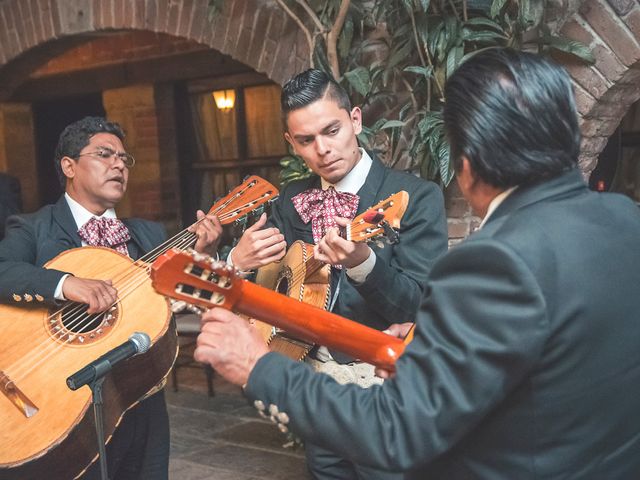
(525, 362)
(93, 168)
(374, 286)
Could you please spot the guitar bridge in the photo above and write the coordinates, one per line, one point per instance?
(15, 395)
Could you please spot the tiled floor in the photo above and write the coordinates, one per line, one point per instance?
(223, 438)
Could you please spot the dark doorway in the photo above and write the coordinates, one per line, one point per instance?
(50, 118)
(603, 176)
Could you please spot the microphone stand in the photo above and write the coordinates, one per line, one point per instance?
(96, 400)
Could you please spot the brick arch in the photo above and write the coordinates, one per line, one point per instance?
(606, 90)
(253, 32)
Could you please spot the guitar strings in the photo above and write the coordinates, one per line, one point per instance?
(182, 240)
(76, 316)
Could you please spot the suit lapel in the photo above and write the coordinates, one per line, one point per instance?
(63, 217)
(368, 193)
(138, 245)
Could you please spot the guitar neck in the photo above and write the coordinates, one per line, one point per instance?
(315, 325)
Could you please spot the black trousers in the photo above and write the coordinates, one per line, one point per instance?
(139, 449)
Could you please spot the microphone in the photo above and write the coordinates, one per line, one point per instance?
(138, 343)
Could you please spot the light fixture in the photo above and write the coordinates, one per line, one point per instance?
(224, 99)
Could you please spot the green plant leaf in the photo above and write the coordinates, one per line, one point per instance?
(425, 5)
(484, 22)
(444, 162)
(424, 71)
(345, 39)
(392, 124)
(496, 7)
(293, 168)
(530, 13)
(484, 36)
(453, 59)
(360, 80)
(572, 47)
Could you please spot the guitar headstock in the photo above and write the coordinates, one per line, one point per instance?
(381, 219)
(249, 196)
(195, 279)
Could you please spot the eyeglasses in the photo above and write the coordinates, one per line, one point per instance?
(106, 153)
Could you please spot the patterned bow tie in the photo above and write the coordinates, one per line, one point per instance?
(106, 232)
(322, 206)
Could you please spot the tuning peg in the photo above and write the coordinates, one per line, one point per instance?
(199, 257)
(390, 233)
(241, 222)
(257, 211)
(195, 309)
(178, 306)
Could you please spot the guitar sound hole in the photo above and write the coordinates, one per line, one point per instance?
(79, 322)
(74, 326)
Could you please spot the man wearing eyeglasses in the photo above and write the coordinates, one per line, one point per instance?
(94, 169)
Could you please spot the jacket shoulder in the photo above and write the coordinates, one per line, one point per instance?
(148, 228)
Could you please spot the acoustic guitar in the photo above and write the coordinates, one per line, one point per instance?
(47, 430)
(300, 276)
(202, 281)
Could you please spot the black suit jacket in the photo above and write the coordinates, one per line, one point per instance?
(393, 290)
(526, 357)
(34, 239)
(10, 199)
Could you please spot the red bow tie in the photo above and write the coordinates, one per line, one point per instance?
(106, 232)
(322, 206)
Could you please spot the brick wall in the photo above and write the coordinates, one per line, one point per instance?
(260, 35)
(146, 113)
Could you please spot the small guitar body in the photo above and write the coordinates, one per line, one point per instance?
(299, 276)
(47, 430)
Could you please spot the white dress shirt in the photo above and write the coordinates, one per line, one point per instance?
(81, 216)
(495, 203)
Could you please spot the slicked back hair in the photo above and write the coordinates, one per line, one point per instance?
(76, 136)
(308, 87)
(513, 115)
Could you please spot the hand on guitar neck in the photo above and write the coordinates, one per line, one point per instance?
(208, 230)
(258, 247)
(398, 330)
(334, 249)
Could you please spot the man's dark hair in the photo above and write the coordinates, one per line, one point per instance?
(308, 87)
(513, 115)
(76, 136)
